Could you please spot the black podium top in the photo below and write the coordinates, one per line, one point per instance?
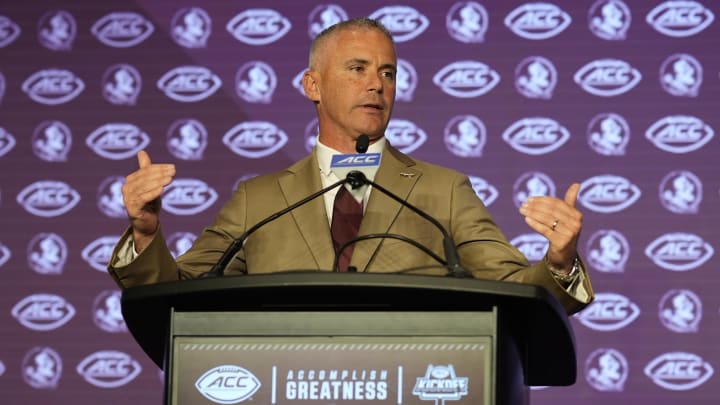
(535, 318)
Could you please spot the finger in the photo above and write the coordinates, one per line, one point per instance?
(571, 194)
(143, 159)
(151, 172)
(549, 206)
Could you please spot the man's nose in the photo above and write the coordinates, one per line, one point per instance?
(375, 83)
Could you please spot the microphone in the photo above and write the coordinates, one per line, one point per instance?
(365, 163)
(452, 257)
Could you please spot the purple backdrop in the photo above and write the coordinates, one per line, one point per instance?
(525, 97)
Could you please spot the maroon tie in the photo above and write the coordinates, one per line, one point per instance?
(347, 214)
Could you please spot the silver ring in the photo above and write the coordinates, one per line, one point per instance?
(555, 224)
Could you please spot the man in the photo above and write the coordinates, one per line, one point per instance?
(351, 81)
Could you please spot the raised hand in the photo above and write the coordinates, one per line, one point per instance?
(141, 195)
(559, 221)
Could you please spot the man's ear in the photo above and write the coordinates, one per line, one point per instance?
(311, 85)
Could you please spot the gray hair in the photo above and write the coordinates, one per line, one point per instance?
(355, 23)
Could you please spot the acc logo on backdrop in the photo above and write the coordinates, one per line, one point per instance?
(121, 84)
(465, 79)
(609, 312)
(52, 141)
(98, 253)
(608, 193)
(406, 81)
(191, 27)
(681, 192)
(110, 199)
(5, 254)
(324, 16)
(47, 253)
(607, 77)
(532, 245)
(48, 198)
(187, 139)
(117, 141)
(43, 312)
(53, 86)
(536, 77)
(7, 142)
(42, 368)
(537, 21)
(531, 184)
(311, 132)
(297, 82)
(607, 370)
(679, 371)
(188, 84)
(680, 18)
(179, 242)
(465, 136)
(679, 251)
(404, 23)
(608, 251)
(108, 369)
(188, 197)
(608, 134)
(9, 31)
(122, 29)
(56, 30)
(679, 133)
(681, 75)
(258, 26)
(227, 384)
(107, 312)
(536, 135)
(680, 311)
(485, 191)
(255, 82)
(255, 139)
(405, 135)
(609, 19)
(467, 21)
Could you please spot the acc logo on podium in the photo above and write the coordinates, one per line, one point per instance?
(227, 384)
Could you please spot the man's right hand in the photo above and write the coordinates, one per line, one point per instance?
(141, 195)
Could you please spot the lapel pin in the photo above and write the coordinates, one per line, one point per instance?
(409, 175)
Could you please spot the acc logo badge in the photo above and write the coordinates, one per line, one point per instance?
(53, 86)
(188, 197)
(608, 134)
(607, 77)
(404, 22)
(609, 312)
(530, 184)
(7, 142)
(258, 26)
(255, 82)
(537, 21)
(536, 135)
(679, 133)
(608, 193)
(188, 84)
(52, 141)
(57, 30)
(467, 21)
(110, 199)
(608, 251)
(465, 79)
(9, 31)
(536, 77)
(42, 368)
(484, 190)
(47, 253)
(98, 253)
(681, 75)
(609, 19)
(680, 18)
(187, 139)
(48, 198)
(117, 141)
(107, 312)
(440, 384)
(465, 136)
(108, 369)
(323, 16)
(43, 312)
(406, 81)
(681, 311)
(679, 251)
(121, 84)
(607, 370)
(681, 192)
(405, 135)
(679, 371)
(255, 139)
(532, 245)
(122, 29)
(191, 27)
(227, 384)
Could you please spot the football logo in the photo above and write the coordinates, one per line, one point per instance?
(609, 312)
(607, 77)
(679, 251)
(537, 21)
(536, 135)
(679, 133)
(53, 86)
(404, 23)
(405, 135)
(679, 371)
(258, 26)
(43, 312)
(108, 369)
(48, 198)
(680, 18)
(608, 193)
(255, 139)
(188, 84)
(188, 197)
(227, 384)
(466, 79)
(117, 141)
(122, 29)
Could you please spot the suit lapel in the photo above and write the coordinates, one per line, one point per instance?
(397, 175)
(311, 218)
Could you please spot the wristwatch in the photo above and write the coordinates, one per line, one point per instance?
(559, 275)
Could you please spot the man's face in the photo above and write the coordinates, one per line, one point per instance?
(355, 84)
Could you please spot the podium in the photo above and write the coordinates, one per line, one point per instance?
(322, 338)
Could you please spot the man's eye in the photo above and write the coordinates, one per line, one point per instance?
(389, 75)
(357, 68)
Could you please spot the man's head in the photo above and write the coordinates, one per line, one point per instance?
(351, 80)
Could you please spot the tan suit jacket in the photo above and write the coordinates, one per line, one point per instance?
(300, 240)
